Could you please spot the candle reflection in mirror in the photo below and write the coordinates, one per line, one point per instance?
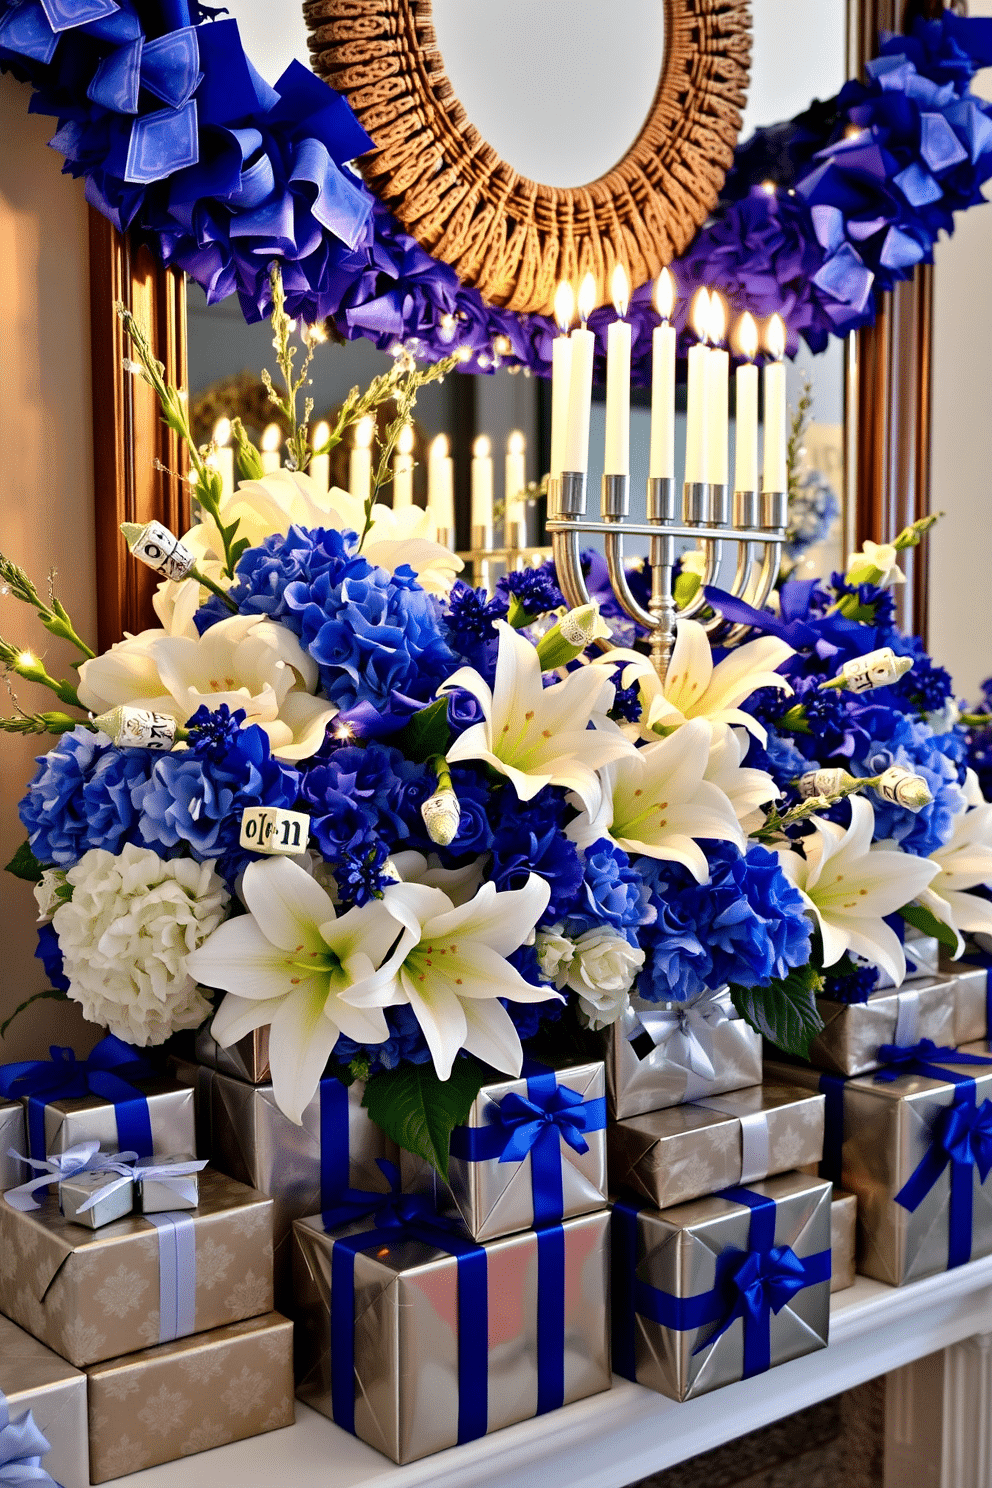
(360, 462)
(441, 489)
(271, 443)
(403, 470)
(482, 493)
(320, 464)
(774, 477)
(223, 459)
(515, 476)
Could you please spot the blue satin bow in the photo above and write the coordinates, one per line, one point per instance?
(763, 1281)
(106, 1073)
(925, 1058)
(22, 1446)
(526, 1121)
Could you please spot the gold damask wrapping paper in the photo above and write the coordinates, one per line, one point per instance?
(170, 1111)
(853, 1032)
(406, 1373)
(642, 1075)
(94, 1294)
(492, 1198)
(676, 1253)
(248, 1059)
(887, 1132)
(12, 1171)
(843, 1234)
(185, 1397)
(36, 1380)
(669, 1157)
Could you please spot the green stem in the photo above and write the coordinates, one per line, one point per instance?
(201, 578)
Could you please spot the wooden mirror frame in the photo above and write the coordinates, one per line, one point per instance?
(139, 476)
(511, 238)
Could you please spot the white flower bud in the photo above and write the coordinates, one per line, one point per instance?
(48, 895)
(555, 953)
(137, 728)
(159, 548)
(904, 789)
(442, 813)
(273, 831)
(832, 782)
(875, 669)
(570, 636)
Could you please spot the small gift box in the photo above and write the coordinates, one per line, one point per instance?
(94, 1187)
(143, 1280)
(854, 1032)
(92, 1200)
(533, 1151)
(723, 1288)
(12, 1137)
(913, 1141)
(248, 1059)
(415, 1338)
(669, 1157)
(972, 996)
(114, 1096)
(843, 1233)
(303, 1168)
(170, 1402)
(662, 1054)
(165, 1186)
(42, 1414)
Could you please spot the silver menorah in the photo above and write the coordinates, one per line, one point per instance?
(756, 524)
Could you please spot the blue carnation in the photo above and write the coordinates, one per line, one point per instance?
(856, 987)
(470, 623)
(264, 573)
(535, 589)
(529, 839)
(111, 797)
(54, 812)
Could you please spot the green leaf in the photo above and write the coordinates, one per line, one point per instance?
(50, 993)
(419, 1111)
(785, 1012)
(238, 548)
(928, 924)
(25, 865)
(426, 734)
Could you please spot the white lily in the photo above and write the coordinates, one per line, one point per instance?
(292, 963)
(695, 688)
(538, 735)
(747, 789)
(460, 884)
(877, 563)
(849, 886)
(657, 801)
(247, 662)
(450, 965)
(964, 863)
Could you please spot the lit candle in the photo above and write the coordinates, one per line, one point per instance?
(403, 470)
(360, 462)
(515, 520)
(662, 462)
(774, 477)
(271, 442)
(320, 465)
(696, 449)
(575, 456)
(224, 455)
(441, 487)
(746, 436)
(561, 370)
(717, 393)
(482, 493)
(616, 457)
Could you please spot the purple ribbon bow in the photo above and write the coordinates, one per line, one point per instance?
(85, 1157)
(22, 1446)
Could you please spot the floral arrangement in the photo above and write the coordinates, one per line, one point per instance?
(221, 173)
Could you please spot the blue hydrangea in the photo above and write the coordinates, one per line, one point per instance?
(612, 893)
(264, 573)
(111, 795)
(55, 812)
(529, 838)
(746, 926)
(898, 740)
(406, 1044)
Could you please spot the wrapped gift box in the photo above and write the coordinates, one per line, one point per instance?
(532, 1152)
(94, 1294)
(972, 989)
(669, 1157)
(889, 1139)
(198, 1078)
(723, 1288)
(843, 1234)
(34, 1379)
(248, 1059)
(854, 1032)
(185, 1397)
(661, 1054)
(304, 1168)
(415, 1339)
(12, 1170)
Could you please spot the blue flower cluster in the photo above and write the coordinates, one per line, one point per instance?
(535, 589)
(613, 892)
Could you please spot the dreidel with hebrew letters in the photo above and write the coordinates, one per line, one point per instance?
(274, 831)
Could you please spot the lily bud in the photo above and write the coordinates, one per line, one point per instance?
(832, 782)
(904, 789)
(442, 814)
(159, 548)
(875, 669)
(570, 636)
(137, 728)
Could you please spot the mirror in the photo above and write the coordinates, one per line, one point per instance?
(533, 78)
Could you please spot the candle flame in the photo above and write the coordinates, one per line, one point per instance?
(587, 298)
(717, 323)
(564, 306)
(482, 449)
(222, 431)
(404, 444)
(620, 289)
(321, 434)
(775, 337)
(516, 443)
(747, 336)
(439, 448)
(364, 430)
(664, 294)
(700, 314)
(271, 438)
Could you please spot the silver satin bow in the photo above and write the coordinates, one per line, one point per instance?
(174, 1175)
(684, 1031)
(85, 1157)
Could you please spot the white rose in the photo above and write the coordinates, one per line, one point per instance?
(47, 893)
(602, 973)
(125, 935)
(555, 953)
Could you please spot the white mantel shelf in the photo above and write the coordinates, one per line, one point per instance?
(613, 1439)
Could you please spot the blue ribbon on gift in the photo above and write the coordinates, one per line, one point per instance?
(176, 1274)
(750, 1284)
(335, 1154)
(536, 1125)
(106, 1073)
(22, 1446)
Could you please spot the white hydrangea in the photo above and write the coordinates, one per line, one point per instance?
(125, 935)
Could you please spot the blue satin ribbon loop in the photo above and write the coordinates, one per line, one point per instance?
(116, 84)
(26, 30)
(170, 67)
(161, 143)
(924, 1058)
(22, 1446)
(106, 1073)
(62, 15)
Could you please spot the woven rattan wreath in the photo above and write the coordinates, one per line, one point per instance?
(510, 237)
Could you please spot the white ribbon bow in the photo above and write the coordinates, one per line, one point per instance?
(684, 1031)
(85, 1157)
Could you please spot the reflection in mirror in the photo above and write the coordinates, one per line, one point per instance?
(531, 77)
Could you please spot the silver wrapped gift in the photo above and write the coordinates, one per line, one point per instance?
(662, 1054)
(414, 1346)
(971, 999)
(843, 1235)
(248, 1059)
(172, 1184)
(254, 1141)
(532, 1152)
(12, 1135)
(34, 1379)
(669, 1157)
(879, 1135)
(198, 1078)
(113, 1194)
(69, 1122)
(853, 1032)
(681, 1324)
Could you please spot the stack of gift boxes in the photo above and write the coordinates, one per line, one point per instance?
(135, 1280)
